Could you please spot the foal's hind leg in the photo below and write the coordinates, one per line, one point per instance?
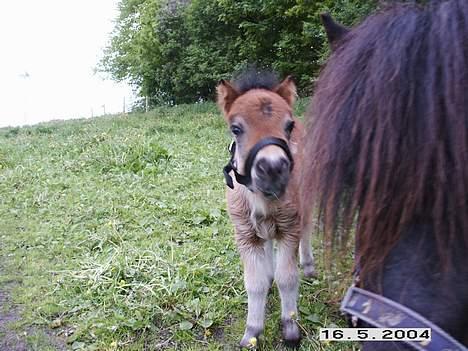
(305, 250)
(258, 277)
(286, 277)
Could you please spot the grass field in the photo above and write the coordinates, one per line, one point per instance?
(114, 236)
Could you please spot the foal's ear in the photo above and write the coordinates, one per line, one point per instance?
(335, 31)
(287, 90)
(226, 95)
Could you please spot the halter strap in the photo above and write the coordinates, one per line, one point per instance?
(382, 312)
(246, 179)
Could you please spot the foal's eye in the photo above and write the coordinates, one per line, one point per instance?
(289, 128)
(236, 130)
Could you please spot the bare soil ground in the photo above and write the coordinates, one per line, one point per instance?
(13, 338)
(10, 339)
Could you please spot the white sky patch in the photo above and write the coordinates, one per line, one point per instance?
(58, 43)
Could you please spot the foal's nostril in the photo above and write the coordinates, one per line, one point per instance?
(280, 167)
(262, 167)
(283, 166)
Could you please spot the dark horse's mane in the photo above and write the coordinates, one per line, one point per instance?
(253, 77)
(387, 141)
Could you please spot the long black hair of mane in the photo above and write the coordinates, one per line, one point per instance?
(387, 131)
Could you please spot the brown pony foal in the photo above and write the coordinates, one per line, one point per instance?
(263, 200)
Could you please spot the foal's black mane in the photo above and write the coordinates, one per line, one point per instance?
(255, 78)
(387, 141)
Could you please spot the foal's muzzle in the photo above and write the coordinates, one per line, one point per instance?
(275, 176)
(272, 176)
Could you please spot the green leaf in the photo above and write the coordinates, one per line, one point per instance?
(313, 318)
(199, 220)
(215, 213)
(78, 345)
(206, 323)
(178, 285)
(185, 325)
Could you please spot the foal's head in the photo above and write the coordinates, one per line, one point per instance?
(256, 106)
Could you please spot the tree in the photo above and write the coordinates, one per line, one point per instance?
(177, 51)
(134, 50)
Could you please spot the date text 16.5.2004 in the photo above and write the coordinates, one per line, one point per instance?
(375, 334)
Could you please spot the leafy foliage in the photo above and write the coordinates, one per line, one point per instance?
(134, 50)
(177, 54)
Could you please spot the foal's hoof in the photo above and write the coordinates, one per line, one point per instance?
(250, 339)
(291, 333)
(309, 271)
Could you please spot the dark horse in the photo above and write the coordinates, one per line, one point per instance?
(387, 146)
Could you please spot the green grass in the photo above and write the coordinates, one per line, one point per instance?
(116, 232)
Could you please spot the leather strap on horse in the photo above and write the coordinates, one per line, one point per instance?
(247, 178)
(382, 312)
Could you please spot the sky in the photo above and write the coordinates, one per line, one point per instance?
(48, 52)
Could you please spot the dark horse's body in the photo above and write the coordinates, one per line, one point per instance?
(412, 276)
(388, 156)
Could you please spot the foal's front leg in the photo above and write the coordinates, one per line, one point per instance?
(258, 277)
(286, 277)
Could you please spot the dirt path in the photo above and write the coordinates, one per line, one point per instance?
(12, 339)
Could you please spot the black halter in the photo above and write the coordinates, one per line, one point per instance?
(246, 179)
